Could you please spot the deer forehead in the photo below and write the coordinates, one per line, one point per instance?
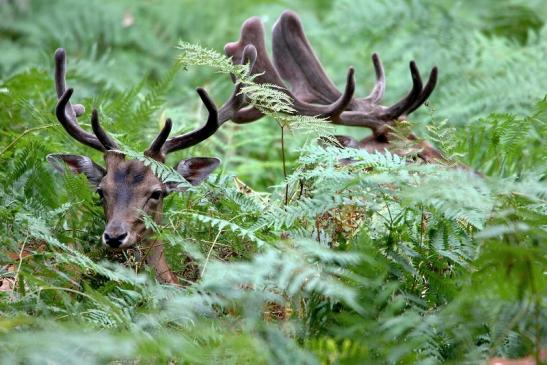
(129, 174)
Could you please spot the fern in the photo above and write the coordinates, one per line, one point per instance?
(267, 98)
(371, 258)
(224, 224)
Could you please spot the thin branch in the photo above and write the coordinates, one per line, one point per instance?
(20, 261)
(210, 251)
(12, 143)
(284, 163)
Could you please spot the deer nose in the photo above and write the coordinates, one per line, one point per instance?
(114, 240)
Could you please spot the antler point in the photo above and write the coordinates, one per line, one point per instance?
(68, 93)
(251, 23)
(289, 14)
(202, 93)
(60, 53)
(414, 70)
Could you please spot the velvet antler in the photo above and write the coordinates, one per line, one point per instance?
(162, 146)
(251, 42)
(296, 70)
(298, 65)
(67, 115)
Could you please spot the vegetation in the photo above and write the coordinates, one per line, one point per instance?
(300, 259)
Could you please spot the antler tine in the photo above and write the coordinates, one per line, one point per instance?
(67, 114)
(365, 113)
(154, 150)
(377, 92)
(192, 138)
(234, 108)
(344, 100)
(72, 127)
(426, 92)
(104, 138)
(60, 83)
(399, 108)
(330, 111)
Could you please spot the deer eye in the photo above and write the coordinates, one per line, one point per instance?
(156, 195)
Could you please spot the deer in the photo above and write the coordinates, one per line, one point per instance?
(127, 187)
(296, 70)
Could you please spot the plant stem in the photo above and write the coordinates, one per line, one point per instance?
(284, 164)
(210, 251)
(12, 143)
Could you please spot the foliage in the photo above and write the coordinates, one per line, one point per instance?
(380, 260)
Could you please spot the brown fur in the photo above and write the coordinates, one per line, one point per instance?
(127, 188)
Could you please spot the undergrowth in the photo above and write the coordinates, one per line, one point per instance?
(379, 261)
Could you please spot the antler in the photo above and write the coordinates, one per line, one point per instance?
(314, 94)
(298, 64)
(161, 146)
(251, 46)
(67, 113)
(234, 108)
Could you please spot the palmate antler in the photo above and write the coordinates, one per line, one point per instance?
(251, 46)
(297, 70)
(68, 114)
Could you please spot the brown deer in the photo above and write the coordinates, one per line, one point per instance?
(314, 94)
(127, 187)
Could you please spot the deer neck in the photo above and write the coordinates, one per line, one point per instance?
(155, 256)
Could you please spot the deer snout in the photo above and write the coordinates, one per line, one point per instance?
(114, 241)
(115, 236)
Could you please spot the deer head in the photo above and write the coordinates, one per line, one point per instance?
(314, 94)
(128, 188)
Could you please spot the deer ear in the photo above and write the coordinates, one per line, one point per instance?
(78, 165)
(196, 169)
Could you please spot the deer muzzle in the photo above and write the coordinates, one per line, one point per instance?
(116, 235)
